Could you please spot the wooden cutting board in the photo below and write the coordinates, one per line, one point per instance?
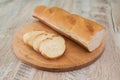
(75, 57)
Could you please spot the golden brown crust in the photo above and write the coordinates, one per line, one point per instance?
(39, 10)
(73, 23)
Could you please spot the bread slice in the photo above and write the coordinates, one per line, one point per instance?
(39, 40)
(48, 44)
(30, 36)
(53, 47)
(83, 31)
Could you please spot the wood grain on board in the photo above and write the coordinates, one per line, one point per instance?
(16, 13)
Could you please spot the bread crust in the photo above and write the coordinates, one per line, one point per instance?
(67, 24)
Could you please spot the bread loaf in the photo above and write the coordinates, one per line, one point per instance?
(49, 45)
(83, 31)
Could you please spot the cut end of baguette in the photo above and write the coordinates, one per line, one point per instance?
(96, 40)
(52, 48)
(91, 44)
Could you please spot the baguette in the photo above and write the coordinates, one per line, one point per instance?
(49, 45)
(85, 32)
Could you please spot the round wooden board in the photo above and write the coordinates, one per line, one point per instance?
(75, 57)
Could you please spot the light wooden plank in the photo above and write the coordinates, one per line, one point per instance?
(115, 14)
(12, 17)
(16, 13)
(116, 20)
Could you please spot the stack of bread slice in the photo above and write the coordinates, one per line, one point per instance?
(48, 44)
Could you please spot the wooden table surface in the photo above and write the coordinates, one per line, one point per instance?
(16, 13)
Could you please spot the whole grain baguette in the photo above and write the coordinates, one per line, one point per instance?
(83, 31)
